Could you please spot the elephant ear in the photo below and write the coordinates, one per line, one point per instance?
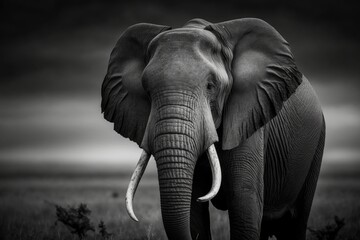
(264, 76)
(124, 101)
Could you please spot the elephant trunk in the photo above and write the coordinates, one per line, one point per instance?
(175, 182)
(175, 145)
(175, 159)
(180, 128)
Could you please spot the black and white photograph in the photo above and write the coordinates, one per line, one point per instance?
(179, 120)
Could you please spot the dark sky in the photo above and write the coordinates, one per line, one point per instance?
(54, 56)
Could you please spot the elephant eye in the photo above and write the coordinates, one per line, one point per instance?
(211, 89)
(211, 85)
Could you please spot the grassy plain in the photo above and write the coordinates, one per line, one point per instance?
(27, 206)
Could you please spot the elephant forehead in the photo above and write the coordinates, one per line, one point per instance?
(178, 65)
(196, 51)
(185, 39)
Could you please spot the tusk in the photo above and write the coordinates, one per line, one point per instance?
(216, 174)
(134, 182)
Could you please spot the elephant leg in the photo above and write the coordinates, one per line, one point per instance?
(199, 214)
(306, 197)
(294, 225)
(245, 167)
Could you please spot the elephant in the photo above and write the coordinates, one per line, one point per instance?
(229, 119)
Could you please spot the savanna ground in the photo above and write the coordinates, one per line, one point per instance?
(27, 209)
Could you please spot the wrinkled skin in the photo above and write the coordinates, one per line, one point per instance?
(177, 91)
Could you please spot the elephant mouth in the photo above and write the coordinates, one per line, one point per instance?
(140, 169)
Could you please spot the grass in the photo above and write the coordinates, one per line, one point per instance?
(27, 207)
(330, 231)
(76, 219)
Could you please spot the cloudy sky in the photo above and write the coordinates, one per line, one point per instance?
(54, 56)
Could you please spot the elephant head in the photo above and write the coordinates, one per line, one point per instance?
(176, 92)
